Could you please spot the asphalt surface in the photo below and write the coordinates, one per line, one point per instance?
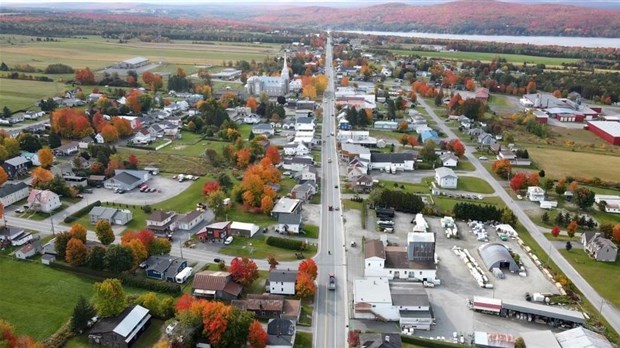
(608, 311)
(330, 316)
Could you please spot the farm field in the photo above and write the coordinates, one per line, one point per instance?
(596, 274)
(486, 57)
(98, 53)
(560, 163)
(24, 94)
(168, 162)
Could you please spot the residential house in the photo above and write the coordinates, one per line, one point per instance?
(381, 340)
(482, 94)
(33, 115)
(263, 129)
(282, 282)
(244, 229)
(362, 138)
(297, 164)
(393, 162)
(270, 306)
(506, 155)
(142, 137)
(156, 130)
(535, 194)
(598, 247)
(215, 231)
(44, 201)
(415, 261)
(612, 202)
(16, 166)
(430, 135)
(362, 184)
(486, 139)
(67, 149)
(307, 174)
(280, 333)
(446, 178)
(304, 123)
(354, 172)
(350, 151)
(121, 331)
(288, 213)
(215, 285)
(29, 250)
(161, 222)
(10, 233)
(190, 220)
(111, 215)
(389, 125)
(406, 303)
(296, 149)
(11, 193)
(303, 191)
(450, 160)
(84, 142)
(360, 163)
(127, 180)
(163, 267)
(251, 119)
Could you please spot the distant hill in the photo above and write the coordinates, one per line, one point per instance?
(486, 17)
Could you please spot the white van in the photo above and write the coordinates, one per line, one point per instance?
(183, 275)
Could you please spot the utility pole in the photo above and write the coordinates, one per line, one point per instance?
(181, 248)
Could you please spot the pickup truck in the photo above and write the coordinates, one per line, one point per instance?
(332, 282)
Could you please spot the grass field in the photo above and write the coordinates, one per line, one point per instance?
(24, 95)
(596, 274)
(303, 340)
(472, 184)
(487, 57)
(560, 163)
(169, 162)
(260, 250)
(97, 53)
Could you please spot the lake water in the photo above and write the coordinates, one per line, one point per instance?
(534, 40)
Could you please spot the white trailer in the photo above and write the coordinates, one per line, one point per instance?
(183, 275)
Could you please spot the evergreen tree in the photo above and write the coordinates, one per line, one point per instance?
(82, 313)
(4, 67)
(6, 112)
(54, 140)
(545, 218)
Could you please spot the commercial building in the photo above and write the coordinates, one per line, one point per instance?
(606, 130)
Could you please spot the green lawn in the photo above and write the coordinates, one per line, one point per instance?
(473, 184)
(137, 223)
(245, 130)
(305, 318)
(40, 216)
(312, 231)
(597, 274)
(258, 287)
(25, 94)
(348, 204)
(238, 213)
(260, 250)
(465, 165)
(167, 162)
(408, 187)
(194, 147)
(303, 340)
(486, 57)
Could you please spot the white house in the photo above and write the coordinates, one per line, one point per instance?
(282, 282)
(296, 149)
(307, 174)
(11, 193)
(535, 194)
(44, 201)
(413, 262)
(190, 220)
(263, 129)
(161, 222)
(143, 136)
(446, 178)
(297, 164)
(449, 160)
(304, 123)
(392, 162)
(251, 119)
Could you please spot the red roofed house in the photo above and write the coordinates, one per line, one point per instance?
(482, 94)
(215, 285)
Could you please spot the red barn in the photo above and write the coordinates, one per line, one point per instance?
(606, 130)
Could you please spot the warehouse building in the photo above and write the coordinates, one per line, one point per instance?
(606, 130)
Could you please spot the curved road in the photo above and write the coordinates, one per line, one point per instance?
(609, 312)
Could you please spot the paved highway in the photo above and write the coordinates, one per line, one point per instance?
(330, 310)
(609, 312)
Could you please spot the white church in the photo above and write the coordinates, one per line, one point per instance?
(273, 86)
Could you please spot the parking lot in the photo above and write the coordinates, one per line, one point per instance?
(457, 285)
(166, 188)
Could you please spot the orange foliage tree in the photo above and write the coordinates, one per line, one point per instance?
(344, 81)
(76, 252)
(310, 267)
(305, 286)
(456, 146)
(257, 337)
(85, 76)
(123, 126)
(109, 133)
(243, 270)
(243, 158)
(133, 101)
(3, 176)
(273, 154)
(616, 233)
(502, 168)
(251, 103)
(266, 204)
(41, 177)
(46, 157)
(215, 318)
(71, 123)
(210, 187)
(78, 231)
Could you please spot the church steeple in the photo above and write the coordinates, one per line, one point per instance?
(284, 73)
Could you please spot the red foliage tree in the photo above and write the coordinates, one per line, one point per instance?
(616, 233)
(133, 101)
(257, 337)
(146, 237)
(412, 141)
(518, 181)
(571, 228)
(243, 270)
(243, 158)
(273, 154)
(215, 318)
(555, 231)
(456, 146)
(251, 103)
(533, 179)
(85, 76)
(309, 266)
(71, 123)
(305, 286)
(133, 161)
(454, 101)
(184, 302)
(98, 121)
(210, 187)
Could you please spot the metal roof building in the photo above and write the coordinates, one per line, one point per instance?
(496, 255)
(540, 339)
(544, 311)
(581, 338)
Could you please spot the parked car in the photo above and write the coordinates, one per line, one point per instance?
(19, 210)
(228, 240)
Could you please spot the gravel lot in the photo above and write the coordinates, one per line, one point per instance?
(168, 187)
(457, 285)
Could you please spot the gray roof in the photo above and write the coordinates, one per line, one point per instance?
(126, 178)
(131, 320)
(409, 294)
(582, 338)
(286, 205)
(544, 310)
(447, 156)
(10, 188)
(444, 172)
(104, 213)
(287, 276)
(393, 157)
(135, 60)
(494, 254)
(190, 216)
(262, 126)
(540, 339)
(304, 119)
(17, 161)
(305, 187)
(378, 340)
(280, 332)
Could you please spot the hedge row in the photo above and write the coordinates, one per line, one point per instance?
(285, 243)
(141, 147)
(78, 214)
(59, 338)
(83, 271)
(422, 342)
(151, 284)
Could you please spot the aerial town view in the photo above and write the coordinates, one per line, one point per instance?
(309, 174)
